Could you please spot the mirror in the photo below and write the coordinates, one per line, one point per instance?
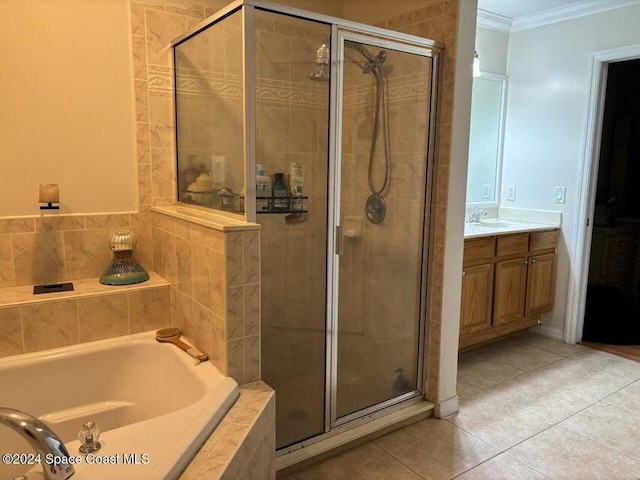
(486, 138)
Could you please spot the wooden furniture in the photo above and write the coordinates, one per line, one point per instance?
(508, 281)
(613, 254)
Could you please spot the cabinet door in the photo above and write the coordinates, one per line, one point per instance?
(541, 284)
(477, 282)
(510, 287)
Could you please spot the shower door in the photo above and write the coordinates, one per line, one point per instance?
(383, 105)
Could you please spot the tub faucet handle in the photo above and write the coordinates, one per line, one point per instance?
(88, 436)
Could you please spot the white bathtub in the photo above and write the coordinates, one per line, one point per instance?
(146, 397)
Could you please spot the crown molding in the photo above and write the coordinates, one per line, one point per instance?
(568, 12)
(494, 21)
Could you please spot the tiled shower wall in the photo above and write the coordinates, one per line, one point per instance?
(436, 20)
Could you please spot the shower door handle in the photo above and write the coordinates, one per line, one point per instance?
(339, 240)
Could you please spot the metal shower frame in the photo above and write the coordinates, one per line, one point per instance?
(341, 31)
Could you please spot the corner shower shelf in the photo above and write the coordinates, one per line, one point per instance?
(294, 205)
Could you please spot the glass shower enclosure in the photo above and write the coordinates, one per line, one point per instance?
(322, 131)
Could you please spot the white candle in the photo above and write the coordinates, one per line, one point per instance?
(49, 193)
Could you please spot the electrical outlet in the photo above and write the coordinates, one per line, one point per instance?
(511, 193)
(560, 194)
(486, 191)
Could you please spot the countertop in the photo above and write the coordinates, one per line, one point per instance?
(500, 226)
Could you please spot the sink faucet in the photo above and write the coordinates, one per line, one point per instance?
(53, 453)
(477, 213)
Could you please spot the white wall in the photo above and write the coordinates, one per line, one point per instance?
(67, 99)
(549, 69)
(492, 47)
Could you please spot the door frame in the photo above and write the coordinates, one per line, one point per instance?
(588, 177)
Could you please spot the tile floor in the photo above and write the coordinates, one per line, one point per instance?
(530, 409)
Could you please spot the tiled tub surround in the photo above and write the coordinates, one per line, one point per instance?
(30, 323)
(242, 447)
(59, 248)
(214, 273)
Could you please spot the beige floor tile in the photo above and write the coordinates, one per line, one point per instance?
(548, 344)
(498, 421)
(544, 396)
(436, 449)
(627, 398)
(519, 355)
(562, 454)
(502, 467)
(593, 371)
(464, 389)
(482, 372)
(366, 462)
(609, 425)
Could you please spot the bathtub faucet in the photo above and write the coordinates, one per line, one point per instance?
(53, 454)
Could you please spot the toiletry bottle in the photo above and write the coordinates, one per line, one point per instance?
(280, 194)
(263, 189)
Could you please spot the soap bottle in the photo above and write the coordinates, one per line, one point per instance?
(263, 189)
(280, 194)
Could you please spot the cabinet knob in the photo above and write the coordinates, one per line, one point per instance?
(525, 262)
(464, 273)
(533, 260)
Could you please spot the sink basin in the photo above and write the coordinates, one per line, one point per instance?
(498, 224)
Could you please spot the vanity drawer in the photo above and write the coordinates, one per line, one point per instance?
(512, 244)
(543, 240)
(479, 248)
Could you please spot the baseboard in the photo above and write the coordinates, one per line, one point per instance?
(447, 408)
(548, 332)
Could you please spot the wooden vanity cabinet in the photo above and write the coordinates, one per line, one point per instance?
(508, 282)
(477, 285)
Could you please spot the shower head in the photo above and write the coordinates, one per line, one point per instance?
(322, 59)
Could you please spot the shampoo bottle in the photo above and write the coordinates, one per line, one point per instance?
(280, 194)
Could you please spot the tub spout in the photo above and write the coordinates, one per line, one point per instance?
(53, 454)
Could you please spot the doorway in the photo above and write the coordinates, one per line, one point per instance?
(594, 192)
(612, 310)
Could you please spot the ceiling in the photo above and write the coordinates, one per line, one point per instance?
(520, 8)
(514, 15)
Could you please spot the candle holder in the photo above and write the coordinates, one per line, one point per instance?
(49, 206)
(49, 194)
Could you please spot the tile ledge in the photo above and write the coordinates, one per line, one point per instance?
(206, 219)
(23, 295)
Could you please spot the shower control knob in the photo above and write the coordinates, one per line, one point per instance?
(88, 436)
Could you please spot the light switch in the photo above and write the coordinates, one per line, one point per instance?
(511, 193)
(560, 194)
